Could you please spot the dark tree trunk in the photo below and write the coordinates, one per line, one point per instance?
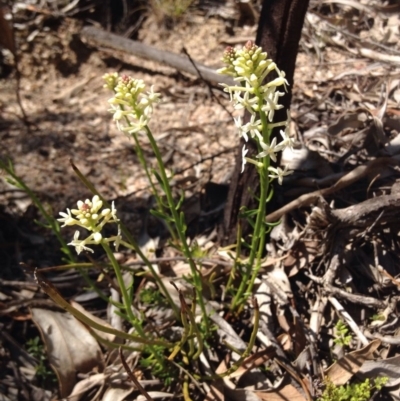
(278, 34)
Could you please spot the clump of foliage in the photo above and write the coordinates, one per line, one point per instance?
(352, 392)
(35, 347)
(342, 336)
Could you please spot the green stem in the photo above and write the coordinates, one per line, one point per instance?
(143, 162)
(125, 296)
(181, 229)
(258, 239)
(261, 227)
(127, 301)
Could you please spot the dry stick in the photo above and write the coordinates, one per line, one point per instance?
(348, 296)
(210, 89)
(385, 339)
(350, 178)
(133, 378)
(191, 166)
(353, 325)
(115, 42)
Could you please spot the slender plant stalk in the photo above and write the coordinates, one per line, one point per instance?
(125, 296)
(143, 162)
(257, 247)
(181, 229)
(127, 301)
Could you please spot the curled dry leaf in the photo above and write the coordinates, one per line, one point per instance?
(70, 347)
(85, 385)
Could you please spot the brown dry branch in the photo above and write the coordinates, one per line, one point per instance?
(348, 179)
(114, 42)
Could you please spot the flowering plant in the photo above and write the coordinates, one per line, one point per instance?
(132, 109)
(249, 67)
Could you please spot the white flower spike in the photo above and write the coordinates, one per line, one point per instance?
(132, 108)
(249, 67)
(92, 217)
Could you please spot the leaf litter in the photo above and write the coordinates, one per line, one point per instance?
(334, 255)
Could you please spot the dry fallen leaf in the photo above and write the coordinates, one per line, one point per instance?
(342, 370)
(384, 367)
(101, 334)
(70, 347)
(85, 385)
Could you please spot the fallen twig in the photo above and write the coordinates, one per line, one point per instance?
(349, 320)
(102, 38)
(348, 296)
(350, 178)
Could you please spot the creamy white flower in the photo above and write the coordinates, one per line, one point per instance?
(136, 126)
(271, 99)
(67, 219)
(97, 237)
(286, 142)
(278, 173)
(114, 211)
(118, 114)
(131, 107)
(253, 127)
(241, 128)
(246, 101)
(268, 150)
(79, 245)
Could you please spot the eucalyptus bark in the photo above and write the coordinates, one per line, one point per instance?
(279, 32)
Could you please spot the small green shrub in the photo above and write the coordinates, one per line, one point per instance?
(341, 334)
(352, 392)
(35, 347)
